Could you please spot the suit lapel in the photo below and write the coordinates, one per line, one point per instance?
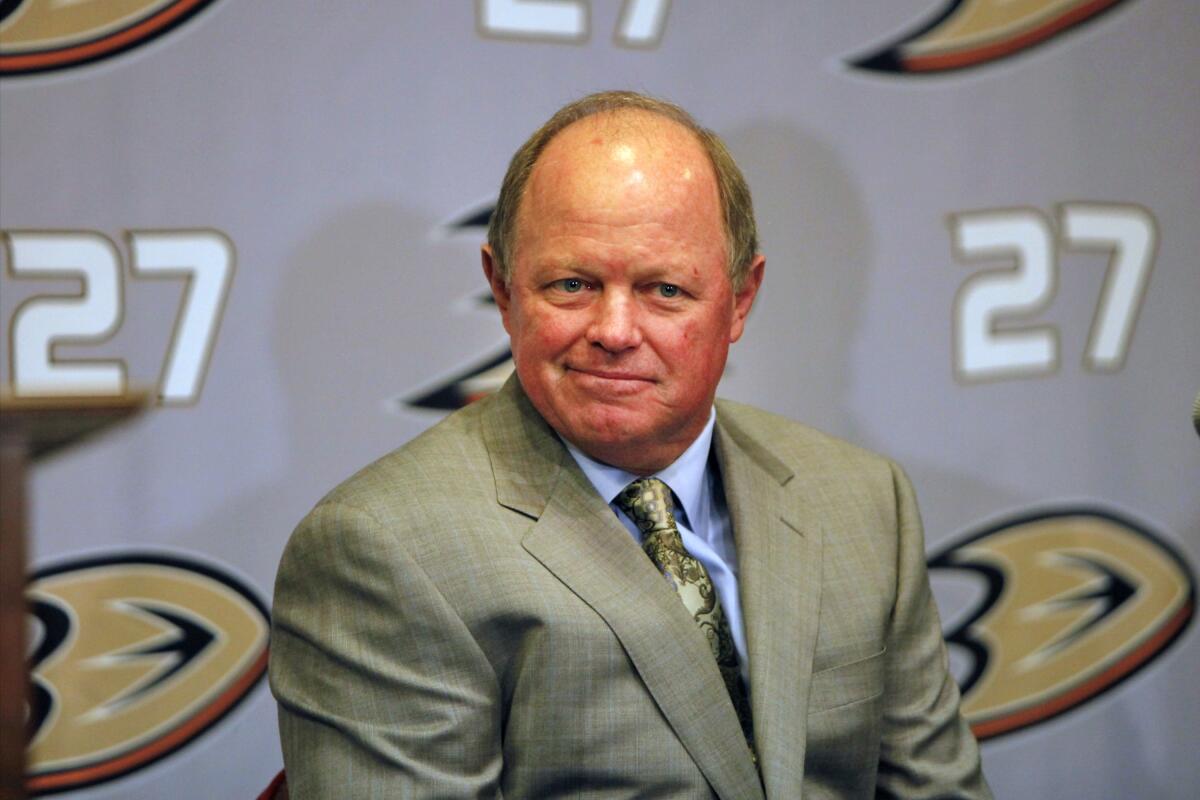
(778, 541)
(578, 538)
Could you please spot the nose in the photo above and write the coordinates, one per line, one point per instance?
(615, 325)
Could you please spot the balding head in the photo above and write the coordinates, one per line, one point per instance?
(632, 109)
(617, 294)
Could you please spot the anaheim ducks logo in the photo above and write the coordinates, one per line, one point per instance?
(485, 376)
(968, 33)
(40, 35)
(474, 383)
(134, 657)
(1077, 601)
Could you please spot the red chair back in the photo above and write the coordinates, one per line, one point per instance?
(276, 789)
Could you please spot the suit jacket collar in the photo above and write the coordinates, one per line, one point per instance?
(778, 537)
(577, 537)
(526, 455)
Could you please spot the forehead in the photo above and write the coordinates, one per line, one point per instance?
(621, 135)
(621, 168)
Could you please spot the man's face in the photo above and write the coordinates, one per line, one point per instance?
(619, 305)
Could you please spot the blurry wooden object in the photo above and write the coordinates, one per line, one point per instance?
(30, 428)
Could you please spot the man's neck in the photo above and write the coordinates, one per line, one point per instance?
(686, 475)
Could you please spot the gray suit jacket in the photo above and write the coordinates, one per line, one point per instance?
(467, 618)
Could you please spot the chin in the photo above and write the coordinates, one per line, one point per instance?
(609, 424)
(616, 445)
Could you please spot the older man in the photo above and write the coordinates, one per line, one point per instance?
(601, 582)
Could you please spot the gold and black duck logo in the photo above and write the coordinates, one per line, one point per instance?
(134, 656)
(485, 375)
(971, 33)
(42, 35)
(1076, 601)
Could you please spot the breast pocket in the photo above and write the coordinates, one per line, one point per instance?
(845, 684)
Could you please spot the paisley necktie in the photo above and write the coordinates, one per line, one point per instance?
(648, 504)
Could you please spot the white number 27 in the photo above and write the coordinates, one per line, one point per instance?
(1025, 236)
(641, 22)
(203, 259)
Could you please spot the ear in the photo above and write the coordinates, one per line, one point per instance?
(500, 289)
(744, 299)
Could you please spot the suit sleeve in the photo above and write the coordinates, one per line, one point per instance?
(927, 750)
(382, 690)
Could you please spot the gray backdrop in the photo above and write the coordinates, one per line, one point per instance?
(340, 147)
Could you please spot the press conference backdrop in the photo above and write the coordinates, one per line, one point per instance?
(981, 226)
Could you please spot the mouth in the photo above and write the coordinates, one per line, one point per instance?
(609, 380)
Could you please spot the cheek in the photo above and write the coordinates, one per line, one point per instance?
(687, 348)
(701, 346)
(542, 335)
(698, 336)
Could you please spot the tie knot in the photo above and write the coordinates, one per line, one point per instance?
(647, 501)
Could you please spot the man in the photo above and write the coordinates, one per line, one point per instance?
(490, 610)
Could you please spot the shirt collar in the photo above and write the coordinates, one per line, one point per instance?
(687, 475)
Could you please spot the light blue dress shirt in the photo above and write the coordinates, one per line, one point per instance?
(700, 514)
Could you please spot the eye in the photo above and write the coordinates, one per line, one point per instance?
(668, 290)
(571, 285)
